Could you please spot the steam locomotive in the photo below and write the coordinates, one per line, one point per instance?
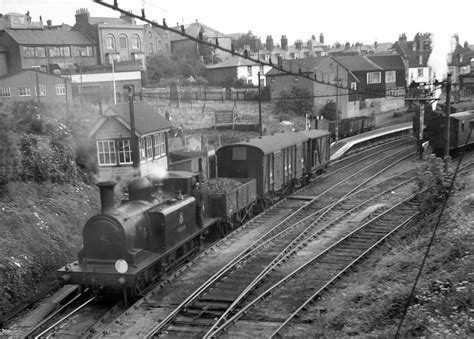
(130, 246)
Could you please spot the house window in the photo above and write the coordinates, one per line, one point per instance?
(390, 76)
(110, 42)
(149, 148)
(65, 51)
(420, 59)
(42, 90)
(249, 71)
(420, 72)
(261, 69)
(24, 91)
(273, 79)
(54, 52)
(354, 86)
(5, 92)
(29, 52)
(123, 42)
(86, 51)
(142, 149)
(373, 78)
(135, 42)
(106, 152)
(150, 48)
(60, 89)
(40, 52)
(124, 151)
(159, 145)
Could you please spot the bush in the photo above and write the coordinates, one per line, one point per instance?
(298, 101)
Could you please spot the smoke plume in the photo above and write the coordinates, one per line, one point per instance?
(442, 45)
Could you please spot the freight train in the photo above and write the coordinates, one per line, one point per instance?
(346, 127)
(459, 132)
(130, 246)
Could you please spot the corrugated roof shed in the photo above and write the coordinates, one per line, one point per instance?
(48, 37)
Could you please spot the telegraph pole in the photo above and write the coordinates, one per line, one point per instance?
(133, 138)
(259, 107)
(447, 113)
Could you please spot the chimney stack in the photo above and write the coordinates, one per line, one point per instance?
(284, 42)
(269, 44)
(127, 18)
(298, 44)
(49, 22)
(82, 16)
(321, 38)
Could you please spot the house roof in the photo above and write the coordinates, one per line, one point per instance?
(388, 62)
(6, 76)
(234, 61)
(193, 30)
(305, 64)
(357, 63)
(147, 119)
(48, 37)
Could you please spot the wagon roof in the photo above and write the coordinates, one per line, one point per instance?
(315, 133)
(463, 115)
(271, 143)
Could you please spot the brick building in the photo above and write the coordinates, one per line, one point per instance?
(116, 38)
(31, 84)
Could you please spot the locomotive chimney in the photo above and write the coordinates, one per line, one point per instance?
(106, 195)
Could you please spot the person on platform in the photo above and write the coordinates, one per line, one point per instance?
(198, 195)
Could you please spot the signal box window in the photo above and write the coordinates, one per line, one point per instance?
(106, 152)
(124, 152)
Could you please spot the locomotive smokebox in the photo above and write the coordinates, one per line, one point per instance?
(106, 195)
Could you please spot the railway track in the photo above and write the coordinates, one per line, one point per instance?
(295, 217)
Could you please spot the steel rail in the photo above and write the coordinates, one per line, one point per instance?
(64, 318)
(267, 292)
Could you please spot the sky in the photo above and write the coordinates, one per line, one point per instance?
(363, 21)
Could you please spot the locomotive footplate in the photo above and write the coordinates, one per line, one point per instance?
(104, 273)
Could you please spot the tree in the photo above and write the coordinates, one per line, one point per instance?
(329, 111)
(246, 39)
(189, 63)
(297, 101)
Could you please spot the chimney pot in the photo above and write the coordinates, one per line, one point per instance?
(106, 195)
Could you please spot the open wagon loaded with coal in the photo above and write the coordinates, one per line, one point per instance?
(232, 200)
